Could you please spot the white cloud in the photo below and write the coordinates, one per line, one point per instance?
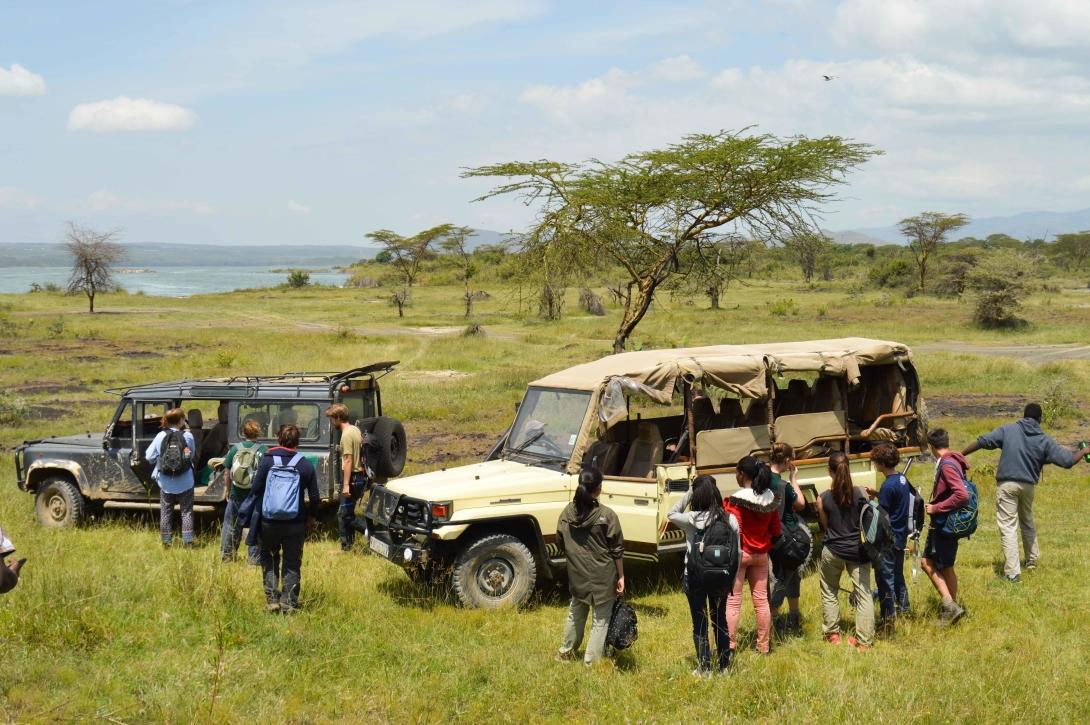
(130, 114)
(296, 208)
(18, 81)
(105, 200)
(681, 68)
(12, 198)
(597, 97)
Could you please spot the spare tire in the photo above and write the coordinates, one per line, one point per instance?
(388, 443)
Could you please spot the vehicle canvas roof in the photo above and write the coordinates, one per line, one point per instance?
(740, 369)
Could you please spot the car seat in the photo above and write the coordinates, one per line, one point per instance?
(730, 413)
(196, 426)
(644, 453)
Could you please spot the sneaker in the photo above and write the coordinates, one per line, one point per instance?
(1016, 579)
(272, 607)
(950, 613)
(287, 609)
(794, 623)
(564, 656)
(724, 666)
(702, 674)
(859, 646)
(833, 638)
(1031, 565)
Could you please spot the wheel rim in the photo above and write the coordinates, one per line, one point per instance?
(495, 577)
(57, 507)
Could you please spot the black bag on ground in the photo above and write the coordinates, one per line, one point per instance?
(792, 548)
(622, 630)
(172, 458)
(712, 562)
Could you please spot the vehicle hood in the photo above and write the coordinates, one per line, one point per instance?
(489, 479)
(82, 440)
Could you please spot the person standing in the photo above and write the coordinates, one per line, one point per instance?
(941, 550)
(171, 452)
(1025, 451)
(282, 479)
(895, 498)
(9, 573)
(705, 505)
(838, 511)
(786, 583)
(353, 475)
(756, 529)
(241, 464)
(589, 535)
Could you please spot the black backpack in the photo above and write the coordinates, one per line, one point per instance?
(172, 457)
(712, 563)
(622, 631)
(792, 548)
(915, 512)
(875, 531)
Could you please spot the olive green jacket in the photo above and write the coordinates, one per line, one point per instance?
(592, 545)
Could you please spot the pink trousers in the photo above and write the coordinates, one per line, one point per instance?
(753, 567)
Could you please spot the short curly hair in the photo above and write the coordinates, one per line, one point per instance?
(886, 455)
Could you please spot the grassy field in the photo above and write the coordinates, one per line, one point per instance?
(106, 625)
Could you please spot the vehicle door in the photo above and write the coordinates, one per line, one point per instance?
(673, 482)
(147, 419)
(635, 501)
(119, 477)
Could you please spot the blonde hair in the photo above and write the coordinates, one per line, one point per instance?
(337, 412)
(251, 429)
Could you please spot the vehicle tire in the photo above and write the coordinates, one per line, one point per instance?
(496, 571)
(59, 503)
(388, 436)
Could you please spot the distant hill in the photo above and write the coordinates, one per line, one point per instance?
(158, 254)
(1027, 225)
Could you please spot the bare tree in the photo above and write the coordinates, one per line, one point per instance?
(926, 232)
(94, 256)
(455, 244)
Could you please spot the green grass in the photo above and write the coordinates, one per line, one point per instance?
(106, 624)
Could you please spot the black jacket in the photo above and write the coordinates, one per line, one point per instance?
(308, 486)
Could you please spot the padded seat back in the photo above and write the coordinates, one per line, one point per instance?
(757, 412)
(826, 396)
(726, 446)
(730, 413)
(801, 430)
(644, 453)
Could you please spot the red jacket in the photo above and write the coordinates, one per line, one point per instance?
(950, 493)
(756, 529)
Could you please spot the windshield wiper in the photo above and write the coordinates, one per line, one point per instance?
(533, 438)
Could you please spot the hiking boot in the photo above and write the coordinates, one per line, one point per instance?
(1016, 579)
(794, 623)
(287, 609)
(950, 613)
(565, 656)
(1030, 565)
(833, 638)
(859, 646)
(272, 607)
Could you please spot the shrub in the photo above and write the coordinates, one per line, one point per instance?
(590, 302)
(783, 307)
(225, 359)
(55, 329)
(1000, 281)
(13, 410)
(473, 330)
(1057, 402)
(298, 278)
(893, 273)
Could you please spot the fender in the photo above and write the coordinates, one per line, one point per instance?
(41, 468)
(498, 524)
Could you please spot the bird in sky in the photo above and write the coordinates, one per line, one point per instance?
(830, 78)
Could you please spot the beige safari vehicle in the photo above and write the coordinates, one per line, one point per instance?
(651, 421)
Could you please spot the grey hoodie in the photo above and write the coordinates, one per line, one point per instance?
(1026, 450)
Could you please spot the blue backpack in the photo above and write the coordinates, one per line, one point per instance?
(959, 523)
(281, 499)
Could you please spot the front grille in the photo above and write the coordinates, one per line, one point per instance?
(398, 512)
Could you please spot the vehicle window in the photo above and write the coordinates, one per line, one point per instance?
(149, 414)
(270, 416)
(122, 426)
(548, 422)
(357, 409)
(208, 411)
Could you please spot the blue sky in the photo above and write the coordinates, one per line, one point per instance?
(315, 122)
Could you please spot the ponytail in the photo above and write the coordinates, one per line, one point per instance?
(841, 472)
(781, 453)
(590, 483)
(758, 473)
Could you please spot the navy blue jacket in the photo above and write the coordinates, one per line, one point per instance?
(308, 486)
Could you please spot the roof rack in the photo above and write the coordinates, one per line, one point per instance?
(328, 378)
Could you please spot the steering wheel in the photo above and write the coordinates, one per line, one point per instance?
(550, 443)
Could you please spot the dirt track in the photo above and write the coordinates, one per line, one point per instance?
(1028, 353)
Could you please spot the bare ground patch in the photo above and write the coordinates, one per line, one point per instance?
(1027, 353)
(430, 375)
(50, 387)
(436, 449)
(975, 405)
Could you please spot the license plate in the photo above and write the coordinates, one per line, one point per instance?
(380, 547)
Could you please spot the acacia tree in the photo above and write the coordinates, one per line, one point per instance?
(1075, 248)
(94, 256)
(808, 248)
(455, 245)
(407, 255)
(644, 211)
(925, 233)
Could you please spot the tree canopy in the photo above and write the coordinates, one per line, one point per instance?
(925, 233)
(644, 212)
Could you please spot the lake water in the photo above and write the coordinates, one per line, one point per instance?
(168, 281)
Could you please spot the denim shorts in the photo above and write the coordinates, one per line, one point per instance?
(941, 550)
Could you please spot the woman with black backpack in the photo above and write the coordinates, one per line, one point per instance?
(589, 535)
(172, 455)
(704, 523)
(839, 510)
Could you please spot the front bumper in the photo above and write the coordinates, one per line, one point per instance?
(20, 467)
(399, 527)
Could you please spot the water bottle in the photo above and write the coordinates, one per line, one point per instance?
(1083, 445)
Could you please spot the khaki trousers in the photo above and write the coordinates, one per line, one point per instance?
(1014, 511)
(577, 621)
(831, 569)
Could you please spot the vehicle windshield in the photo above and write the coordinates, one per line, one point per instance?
(548, 422)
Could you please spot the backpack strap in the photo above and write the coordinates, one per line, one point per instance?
(278, 461)
(295, 460)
